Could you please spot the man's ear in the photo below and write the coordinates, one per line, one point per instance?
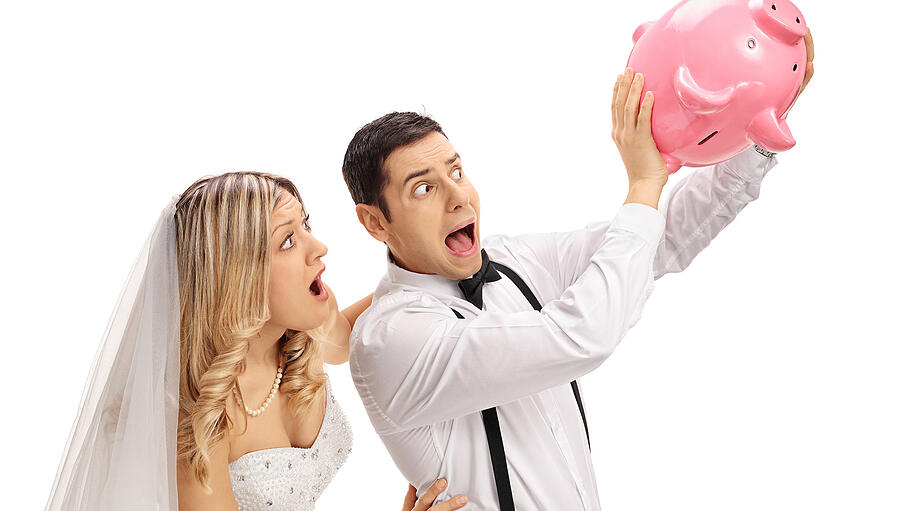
(373, 221)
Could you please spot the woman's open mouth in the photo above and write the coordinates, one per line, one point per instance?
(462, 240)
(317, 289)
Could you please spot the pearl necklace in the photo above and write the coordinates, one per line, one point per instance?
(268, 400)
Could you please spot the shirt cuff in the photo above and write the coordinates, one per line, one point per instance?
(749, 165)
(640, 219)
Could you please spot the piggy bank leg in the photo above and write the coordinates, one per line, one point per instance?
(768, 131)
(640, 31)
(673, 164)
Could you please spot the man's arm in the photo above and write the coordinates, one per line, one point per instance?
(414, 363)
(696, 209)
(701, 204)
(707, 200)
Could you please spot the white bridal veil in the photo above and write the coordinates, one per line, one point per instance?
(121, 453)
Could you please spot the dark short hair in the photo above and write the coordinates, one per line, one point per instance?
(364, 161)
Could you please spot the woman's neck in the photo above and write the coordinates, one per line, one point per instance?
(264, 349)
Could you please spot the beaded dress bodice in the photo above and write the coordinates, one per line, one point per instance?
(292, 478)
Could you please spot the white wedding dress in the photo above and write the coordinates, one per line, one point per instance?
(122, 449)
(292, 478)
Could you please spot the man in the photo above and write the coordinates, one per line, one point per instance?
(466, 360)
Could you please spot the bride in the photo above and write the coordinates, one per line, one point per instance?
(208, 389)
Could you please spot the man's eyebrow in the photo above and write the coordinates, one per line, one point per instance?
(424, 172)
(412, 175)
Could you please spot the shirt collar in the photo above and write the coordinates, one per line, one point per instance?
(436, 284)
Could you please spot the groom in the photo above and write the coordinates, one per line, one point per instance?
(468, 357)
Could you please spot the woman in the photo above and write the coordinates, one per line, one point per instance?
(243, 416)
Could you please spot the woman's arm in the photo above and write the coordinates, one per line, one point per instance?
(337, 348)
(190, 494)
(355, 310)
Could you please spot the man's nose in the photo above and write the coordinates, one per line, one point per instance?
(458, 197)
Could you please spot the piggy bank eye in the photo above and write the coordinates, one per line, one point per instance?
(797, 20)
(751, 44)
(794, 67)
(773, 7)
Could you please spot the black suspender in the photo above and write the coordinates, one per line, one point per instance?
(497, 454)
(491, 418)
(525, 290)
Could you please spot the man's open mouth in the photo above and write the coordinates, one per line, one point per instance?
(317, 289)
(461, 240)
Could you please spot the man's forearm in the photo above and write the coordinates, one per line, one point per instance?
(645, 192)
(701, 204)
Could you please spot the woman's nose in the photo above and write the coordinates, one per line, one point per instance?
(317, 249)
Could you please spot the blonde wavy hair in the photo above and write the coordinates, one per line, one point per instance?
(223, 257)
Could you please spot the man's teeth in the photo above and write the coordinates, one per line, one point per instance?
(468, 229)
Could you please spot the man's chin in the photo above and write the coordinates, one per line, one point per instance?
(465, 267)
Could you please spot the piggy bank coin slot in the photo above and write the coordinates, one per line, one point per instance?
(707, 138)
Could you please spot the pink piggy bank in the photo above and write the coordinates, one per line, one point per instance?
(724, 74)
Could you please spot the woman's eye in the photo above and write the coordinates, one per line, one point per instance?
(422, 189)
(457, 174)
(287, 242)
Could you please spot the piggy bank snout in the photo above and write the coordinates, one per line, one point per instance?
(780, 19)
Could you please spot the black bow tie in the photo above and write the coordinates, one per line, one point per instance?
(472, 287)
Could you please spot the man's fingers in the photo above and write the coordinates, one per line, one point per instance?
(644, 116)
(632, 101)
(810, 66)
(810, 46)
(457, 502)
(613, 106)
(810, 57)
(810, 70)
(621, 97)
(618, 102)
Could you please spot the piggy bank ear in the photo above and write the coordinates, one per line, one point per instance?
(768, 131)
(641, 30)
(696, 98)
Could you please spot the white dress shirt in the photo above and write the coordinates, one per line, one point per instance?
(424, 375)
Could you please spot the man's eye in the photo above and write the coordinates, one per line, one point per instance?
(422, 189)
(456, 174)
(286, 244)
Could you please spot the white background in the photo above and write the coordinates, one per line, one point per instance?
(771, 374)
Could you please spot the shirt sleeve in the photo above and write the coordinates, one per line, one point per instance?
(696, 209)
(704, 202)
(414, 363)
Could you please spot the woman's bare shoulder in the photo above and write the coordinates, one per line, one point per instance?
(191, 494)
